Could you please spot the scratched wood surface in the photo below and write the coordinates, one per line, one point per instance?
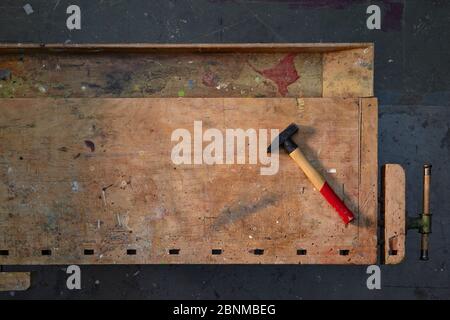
(290, 70)
(394, 213)
(348, 73)
(91, 181)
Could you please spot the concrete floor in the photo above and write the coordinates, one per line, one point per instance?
(412, 83)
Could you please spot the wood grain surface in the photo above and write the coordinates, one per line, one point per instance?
(394, 212)
(252, 70)
(92, 181)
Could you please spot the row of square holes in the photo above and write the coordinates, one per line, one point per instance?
(87, 252)
(258, 252)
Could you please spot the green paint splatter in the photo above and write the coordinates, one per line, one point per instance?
(8, 89)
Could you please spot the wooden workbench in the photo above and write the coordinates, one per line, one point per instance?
(96, 175)
(85, 168)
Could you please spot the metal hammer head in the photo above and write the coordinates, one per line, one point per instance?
(284, 139)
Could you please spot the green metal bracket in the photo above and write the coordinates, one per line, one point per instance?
(423, 222)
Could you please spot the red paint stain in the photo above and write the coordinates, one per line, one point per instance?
(392, 9)
(393, 16)
(210, 79)
(338, 4)
(283, 74)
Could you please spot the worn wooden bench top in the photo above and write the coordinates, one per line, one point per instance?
(92, 181)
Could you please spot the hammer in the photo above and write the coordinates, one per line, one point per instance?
(284, 140)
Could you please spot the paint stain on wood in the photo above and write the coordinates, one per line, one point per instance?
(5, 74)
(90, 145)
(209, 79)
(283, 74)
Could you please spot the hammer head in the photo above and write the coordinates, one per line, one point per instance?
(284, 136)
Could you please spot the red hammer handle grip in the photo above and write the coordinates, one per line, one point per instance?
(320, 184)
(336, 203)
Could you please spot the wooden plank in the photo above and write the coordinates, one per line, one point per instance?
(182, 47)
(348, 73)
(68, 75)
(289, 70)
(15, 281)
(61, 194)
(368, 173)
(394, 210)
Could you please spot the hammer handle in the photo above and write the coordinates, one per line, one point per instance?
(312, 174)
(320, 184)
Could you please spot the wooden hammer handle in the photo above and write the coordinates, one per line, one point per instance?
(322, 186)
(312, 174)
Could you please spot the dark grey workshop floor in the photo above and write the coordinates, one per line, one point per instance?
(413, 85)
